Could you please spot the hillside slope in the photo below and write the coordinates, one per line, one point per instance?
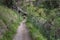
(9, 21)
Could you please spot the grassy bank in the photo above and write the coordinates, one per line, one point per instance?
(43, 23)
(35, 33)
(11, 19)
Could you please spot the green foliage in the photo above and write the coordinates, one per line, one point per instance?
(46, 21)
(11, 19)
(36, 35)
(51, 4)
(35, 19)
(8, 3)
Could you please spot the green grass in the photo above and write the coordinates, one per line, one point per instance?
(11, 19)
(35, 33)
(11, 31)
(43, 15)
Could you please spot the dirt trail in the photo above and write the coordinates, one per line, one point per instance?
(22, 32)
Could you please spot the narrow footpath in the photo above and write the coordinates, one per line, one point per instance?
(22, 32)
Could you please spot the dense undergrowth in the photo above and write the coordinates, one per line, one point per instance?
(43, 23)
(35, 33)
(43, 19)
(11, 20)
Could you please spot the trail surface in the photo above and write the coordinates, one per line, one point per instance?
(22, 32)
